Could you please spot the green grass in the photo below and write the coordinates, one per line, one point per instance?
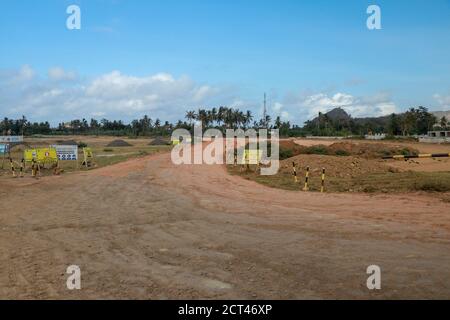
(102, 157)
(319, 149)
(373, 183)
(107, 156)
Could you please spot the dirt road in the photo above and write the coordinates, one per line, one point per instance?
(149, 230)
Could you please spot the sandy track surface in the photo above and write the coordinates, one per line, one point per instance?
(149, 230)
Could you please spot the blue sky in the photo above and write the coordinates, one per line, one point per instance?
(162, 57)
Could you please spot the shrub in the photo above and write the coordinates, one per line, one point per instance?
(369, 189)
(108, 150)
(285, 153)
(432, 186)
(407, 152)
(319, 149)
(81, 144)
(342, 153)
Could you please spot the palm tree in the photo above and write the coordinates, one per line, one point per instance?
(267, 121)
(248, 117)
(191, 115)
(202, 116)
(213, 115)
(278, 122)
(221, 115)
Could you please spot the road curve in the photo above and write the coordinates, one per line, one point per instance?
(147, 229)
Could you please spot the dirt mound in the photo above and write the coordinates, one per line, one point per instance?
(67, 142)
(20, 146)
(159, 141)
(340, 167)
(118, 143)
(345, 148)
(369, 150)
(289, 148)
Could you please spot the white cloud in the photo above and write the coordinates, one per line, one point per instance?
(116, 95)
(444, 101)
(113, 95)
(311, 105)
(279, 111)
(16, 77)
(277, 107)
(58, 74)
(25, 73)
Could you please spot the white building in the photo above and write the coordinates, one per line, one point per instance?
(441, 136)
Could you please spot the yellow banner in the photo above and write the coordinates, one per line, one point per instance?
(252, 156)
(41, 155)
(87, 153)
(29, 155)
(47, 155)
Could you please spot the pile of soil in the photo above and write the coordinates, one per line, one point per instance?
(340, 167)
(159, 141)
(369, 150)
(291, 147)
(67, 142)
(118, 143)
(20, 147)
(362, 150)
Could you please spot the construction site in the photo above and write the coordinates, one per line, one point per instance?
(140, 227)
(232, 157)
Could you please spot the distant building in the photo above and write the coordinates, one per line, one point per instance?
(376, 136)
(67, 125)
(440, 136)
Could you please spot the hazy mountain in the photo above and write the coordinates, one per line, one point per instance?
(440, 114)
(338, 114)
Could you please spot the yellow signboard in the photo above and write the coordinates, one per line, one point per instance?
(47, 155)
(88, 157)
(41, 155)
(29, 155)
(87, 153)
(252, 156)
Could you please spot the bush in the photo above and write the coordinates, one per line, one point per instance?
(108, 150)
(385, 153)
(369, 189)
(342, 153)
(432, 186)
(319, 149)
(285, 153)
(81, 144)
(407, 152)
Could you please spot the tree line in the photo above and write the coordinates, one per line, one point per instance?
(334, 123)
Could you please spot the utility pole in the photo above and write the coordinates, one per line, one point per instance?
(265, 111)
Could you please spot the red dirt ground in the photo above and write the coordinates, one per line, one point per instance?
(147, 229)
